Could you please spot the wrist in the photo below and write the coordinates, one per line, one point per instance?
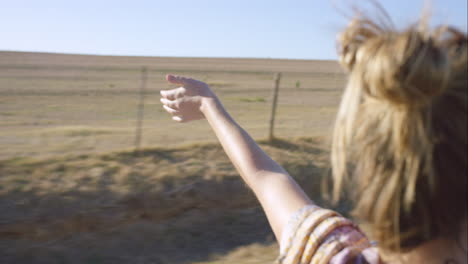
(209, 104)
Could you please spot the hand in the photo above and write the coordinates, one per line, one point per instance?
(187, 102)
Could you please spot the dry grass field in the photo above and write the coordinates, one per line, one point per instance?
(73, 191)
(67, 104)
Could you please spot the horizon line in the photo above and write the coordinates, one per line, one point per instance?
(156, 56)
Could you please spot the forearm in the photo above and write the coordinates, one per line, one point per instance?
(276, 190)
(248, 158)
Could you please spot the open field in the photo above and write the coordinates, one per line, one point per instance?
(66, 104)
(72, 191)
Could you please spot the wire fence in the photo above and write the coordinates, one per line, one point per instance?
(53, 104)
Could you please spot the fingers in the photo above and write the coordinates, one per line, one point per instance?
(177, 79)
(171, 110)
(176, 115)
(178, 119)
(173, 94)
(173, 104)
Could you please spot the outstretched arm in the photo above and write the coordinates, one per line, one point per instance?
(278, 193)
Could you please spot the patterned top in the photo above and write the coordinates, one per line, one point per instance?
(320, 236)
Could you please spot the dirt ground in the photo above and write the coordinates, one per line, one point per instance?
(73, 191)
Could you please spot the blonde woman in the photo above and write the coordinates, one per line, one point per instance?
(401, 127)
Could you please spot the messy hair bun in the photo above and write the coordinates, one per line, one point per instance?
(402, 126)
(406, 68)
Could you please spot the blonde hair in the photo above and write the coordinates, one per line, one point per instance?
(400, 138)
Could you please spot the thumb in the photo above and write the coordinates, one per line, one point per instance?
(177, 79)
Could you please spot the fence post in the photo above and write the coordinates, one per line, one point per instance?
(141, 108)
(271, 135)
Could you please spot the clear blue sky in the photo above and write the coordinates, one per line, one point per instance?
(303, 29)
